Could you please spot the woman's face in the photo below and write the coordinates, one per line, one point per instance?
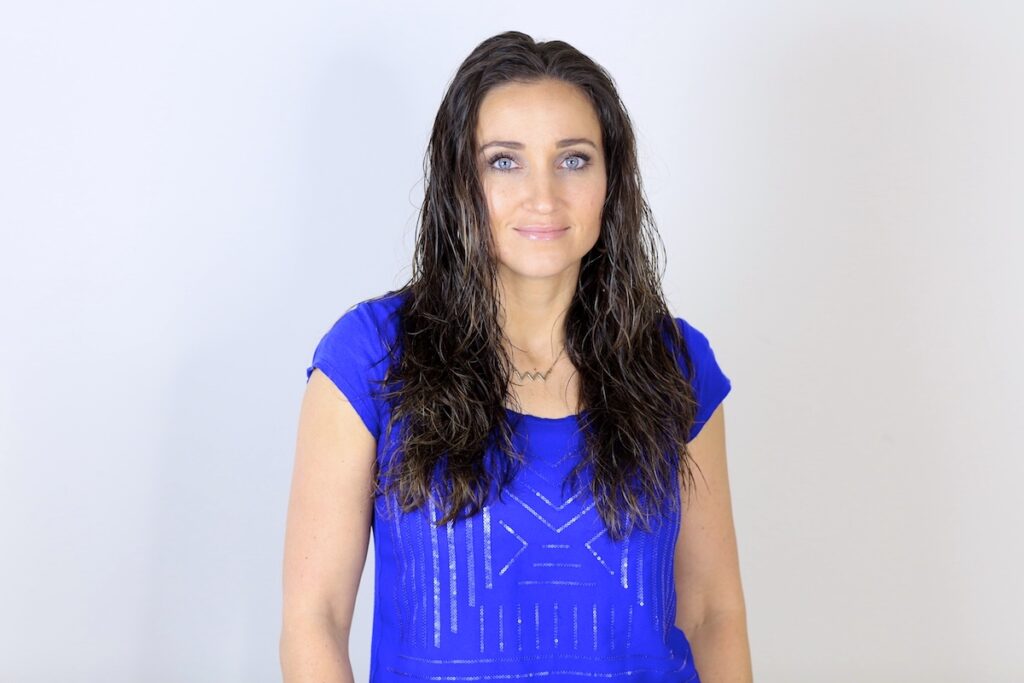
(542, 166)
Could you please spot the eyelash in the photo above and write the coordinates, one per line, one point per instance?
(505, 155)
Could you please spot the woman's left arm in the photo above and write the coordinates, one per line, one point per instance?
(710, 608)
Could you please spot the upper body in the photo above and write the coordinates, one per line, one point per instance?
(534, 256)
(530, 584)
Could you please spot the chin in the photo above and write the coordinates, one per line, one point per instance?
(534, 270)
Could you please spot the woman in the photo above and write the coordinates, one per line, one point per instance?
(517, 425)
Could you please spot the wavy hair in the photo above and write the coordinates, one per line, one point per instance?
(448, 382)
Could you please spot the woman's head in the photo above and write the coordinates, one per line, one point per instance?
(450, 378)
(541, 165)
(512, 88)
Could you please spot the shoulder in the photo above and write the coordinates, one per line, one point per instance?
(701, 367)
(367, 325)
(383, 310)
(695, 345)
(355, 351)
(696, 341)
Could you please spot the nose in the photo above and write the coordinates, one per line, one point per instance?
(542, 192)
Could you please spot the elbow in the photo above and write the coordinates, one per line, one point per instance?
(715, 610)
(724, 612)
(297, 629)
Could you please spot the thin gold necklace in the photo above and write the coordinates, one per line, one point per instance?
(542, 376)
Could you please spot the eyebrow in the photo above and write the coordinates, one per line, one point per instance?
(518, 145)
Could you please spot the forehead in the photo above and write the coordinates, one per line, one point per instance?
(536, 113)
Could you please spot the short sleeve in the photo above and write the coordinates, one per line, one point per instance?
(710, 383)
(352, 355)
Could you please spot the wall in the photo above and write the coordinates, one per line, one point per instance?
(190, 193)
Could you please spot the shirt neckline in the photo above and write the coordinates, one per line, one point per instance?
(542, 419)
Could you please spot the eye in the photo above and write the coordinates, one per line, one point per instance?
(578, 155)
(500, 156)
(582, 160)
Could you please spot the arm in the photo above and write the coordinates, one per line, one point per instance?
(710, 608)
(329, 515)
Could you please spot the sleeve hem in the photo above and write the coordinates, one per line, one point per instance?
(362, 403)
(706, 411)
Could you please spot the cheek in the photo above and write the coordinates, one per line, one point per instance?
(497, 199)
(591, 200)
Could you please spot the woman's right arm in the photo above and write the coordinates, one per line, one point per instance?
(330, 511)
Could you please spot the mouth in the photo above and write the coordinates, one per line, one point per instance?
(541, 231)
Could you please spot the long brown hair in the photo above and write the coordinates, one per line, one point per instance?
(449, 383)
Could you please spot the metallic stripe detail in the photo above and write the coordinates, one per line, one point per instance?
(532, 674)
(487, 547)
(654, 577)
(470, 564)
(413, 598)
(556, 624)
(501, 628)
(400, 564)
(624, 570)
(519, 626)
(640, 574)
(666, 580)
(563, 657)
(536, 514)
(437, 569)
(533, 582)
(545, 474)
(453, 602)
(575, 628)
(611, 629)
(629, 628)
(423, 579)
(592, 552)
(553, 505)
(659, 592)
(518, 552)
(536, 623)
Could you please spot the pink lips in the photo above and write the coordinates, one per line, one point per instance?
(540, 232)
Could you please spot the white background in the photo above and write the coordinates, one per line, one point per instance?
(192, 192)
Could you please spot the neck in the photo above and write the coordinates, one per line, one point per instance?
(533, 315)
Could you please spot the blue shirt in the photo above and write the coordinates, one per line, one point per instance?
(531, 586)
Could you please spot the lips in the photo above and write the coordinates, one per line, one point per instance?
(542, 232)
(542, 229)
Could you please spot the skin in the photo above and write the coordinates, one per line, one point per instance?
(540, 182)
(326, 536)
(330, 507)
(710, 608)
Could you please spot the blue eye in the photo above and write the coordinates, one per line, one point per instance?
(506, 169)
(580, 155)
(499, 157)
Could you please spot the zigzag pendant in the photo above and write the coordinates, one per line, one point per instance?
(533, 375)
